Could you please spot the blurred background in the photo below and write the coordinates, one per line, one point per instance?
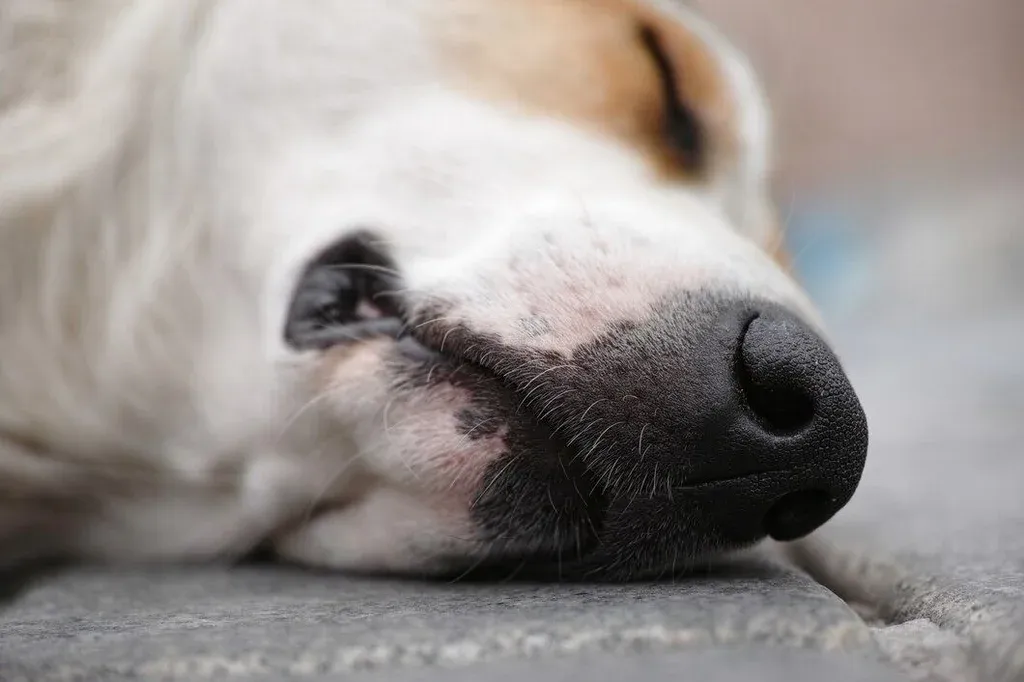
(900, 149)
(900, 157)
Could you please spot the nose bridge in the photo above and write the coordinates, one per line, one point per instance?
(566, 275)
(659, 394)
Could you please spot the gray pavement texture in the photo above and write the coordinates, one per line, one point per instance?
(933, 544)
(921, 577)
(286, 624)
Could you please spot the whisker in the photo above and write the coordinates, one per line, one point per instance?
(469, 434)
(640, 443)
(444, 338)
(582, 432)
(494, 479)
(472, 567)
(434, 320)
(364, 266)
(538, 376)
(550, 406)
(511, 576)
(600, 436)
(808, 245)
(784, 225)
(592, 405)
(460, 474)
(298, 413)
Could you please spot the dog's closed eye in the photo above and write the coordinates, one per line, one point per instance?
(682, 127)
(343, 296)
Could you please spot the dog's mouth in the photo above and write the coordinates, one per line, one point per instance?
(540, 510)
(554, 496)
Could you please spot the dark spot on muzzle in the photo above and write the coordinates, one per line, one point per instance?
(706, 427)
(554, 518)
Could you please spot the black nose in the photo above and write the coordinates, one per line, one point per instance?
(806, 420)
(709, 425)
(733, 420)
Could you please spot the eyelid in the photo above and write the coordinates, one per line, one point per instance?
(682, 127)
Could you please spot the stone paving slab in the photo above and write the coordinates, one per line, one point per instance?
(266, 622)
(933, 542)
(737, 664)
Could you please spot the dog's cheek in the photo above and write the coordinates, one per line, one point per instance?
(421, 423)
(434, 440)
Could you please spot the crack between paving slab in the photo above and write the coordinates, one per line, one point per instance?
(870, 595)
(918, 647)
(922, 647)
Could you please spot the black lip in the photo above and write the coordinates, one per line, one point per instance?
(702, 483)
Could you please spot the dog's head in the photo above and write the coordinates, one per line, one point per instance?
(521, 253)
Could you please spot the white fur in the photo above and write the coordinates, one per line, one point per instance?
(166, 169)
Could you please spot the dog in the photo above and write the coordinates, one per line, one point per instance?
(416, 287)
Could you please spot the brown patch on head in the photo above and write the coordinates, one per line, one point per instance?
(617, 67)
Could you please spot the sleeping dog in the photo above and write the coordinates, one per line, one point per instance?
(405, 287)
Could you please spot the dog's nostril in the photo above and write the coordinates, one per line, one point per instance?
(797, 514)
(779, 409)
(771, 384)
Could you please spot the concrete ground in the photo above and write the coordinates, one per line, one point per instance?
(920, 578)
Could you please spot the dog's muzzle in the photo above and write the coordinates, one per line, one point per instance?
(707, 427)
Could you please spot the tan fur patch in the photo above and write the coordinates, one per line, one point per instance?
(585, 60)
